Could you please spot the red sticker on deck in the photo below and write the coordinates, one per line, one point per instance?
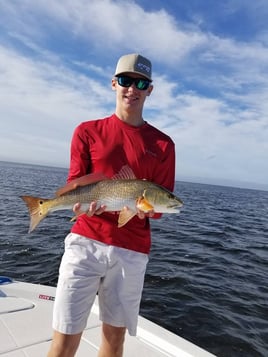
(46, 297)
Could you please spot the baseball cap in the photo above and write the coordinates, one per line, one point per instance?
(134, 63)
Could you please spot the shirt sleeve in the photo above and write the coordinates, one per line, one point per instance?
(165, 175)
(80, 162)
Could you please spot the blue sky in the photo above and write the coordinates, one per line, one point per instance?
(210, 65)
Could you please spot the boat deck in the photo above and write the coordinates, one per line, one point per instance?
(25, 328)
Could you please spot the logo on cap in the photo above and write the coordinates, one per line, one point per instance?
(143, 67)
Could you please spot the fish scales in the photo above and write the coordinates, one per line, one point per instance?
(127, 196)
(114, 194)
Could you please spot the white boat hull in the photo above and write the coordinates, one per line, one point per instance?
(25, 328)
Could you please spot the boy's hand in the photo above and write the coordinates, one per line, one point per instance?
(142, 214)
(91, 210)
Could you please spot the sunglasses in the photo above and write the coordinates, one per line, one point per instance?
(140, 83)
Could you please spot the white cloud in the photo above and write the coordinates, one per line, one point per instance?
(210, 92)
(108, 23)
(41, 102)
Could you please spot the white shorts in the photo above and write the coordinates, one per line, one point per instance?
(88, 267)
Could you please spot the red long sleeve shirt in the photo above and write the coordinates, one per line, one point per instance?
(106, 145)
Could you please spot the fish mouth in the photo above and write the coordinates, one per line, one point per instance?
(175, 205)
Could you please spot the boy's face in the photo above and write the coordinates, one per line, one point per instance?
(130, 98)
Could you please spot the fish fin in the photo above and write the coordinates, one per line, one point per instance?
(81, 181)
(38, 210)
(125, 215)
(124, 174)
(143, 205)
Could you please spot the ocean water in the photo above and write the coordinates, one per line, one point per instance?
(207, 279)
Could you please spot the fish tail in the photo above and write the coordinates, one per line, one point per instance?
(38, 210)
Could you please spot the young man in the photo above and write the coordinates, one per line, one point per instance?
(99, 256)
